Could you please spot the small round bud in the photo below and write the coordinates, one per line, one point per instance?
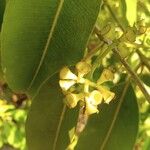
(142, 29)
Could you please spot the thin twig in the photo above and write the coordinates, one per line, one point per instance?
(93, 52)
(113, 15)
(126, 65)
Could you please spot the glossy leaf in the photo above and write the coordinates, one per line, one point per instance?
(45, 117)
(131, 11)
(116, 124)
(39, 37)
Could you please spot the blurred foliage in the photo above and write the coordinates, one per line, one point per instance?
(13, 112)
(12, 120)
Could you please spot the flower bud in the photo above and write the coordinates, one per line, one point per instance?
(130, 35)
(106, 75)
(142, 29)
(73, 99)
(66, 84)
(107, 95)
(83, 68)
(65, 73)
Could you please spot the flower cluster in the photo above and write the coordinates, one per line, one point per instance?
(90, 99)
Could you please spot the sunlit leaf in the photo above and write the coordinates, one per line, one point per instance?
(48, 122)
(48, 125)
(131, 11)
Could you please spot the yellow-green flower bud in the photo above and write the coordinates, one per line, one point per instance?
(66, 84)
(83, 68)
(106, 75)
(107, 95)
(65, 73)
(142, 29)
(73, 99)
(130, 35)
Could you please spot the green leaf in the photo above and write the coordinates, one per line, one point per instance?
(46, 117)
(2, 8)
(39, 37)
(131, 11)
(48, 123)
(116, 126)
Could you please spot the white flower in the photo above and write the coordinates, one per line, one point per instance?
(66, 84)
(65, 73)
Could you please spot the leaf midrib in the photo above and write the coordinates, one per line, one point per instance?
(54, 24)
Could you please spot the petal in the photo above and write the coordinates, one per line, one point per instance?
(95, 97)
(90, 109)
(107, 95)
(73, 99)
(65, 85)
(65, 73)
(107, 75)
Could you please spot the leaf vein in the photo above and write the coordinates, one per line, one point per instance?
(48, 41)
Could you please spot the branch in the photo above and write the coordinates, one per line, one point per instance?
(113, 15)
(133, 74)
(127, 67)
